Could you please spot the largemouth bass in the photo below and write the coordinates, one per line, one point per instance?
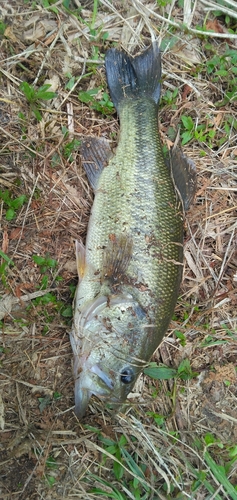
(131, 267)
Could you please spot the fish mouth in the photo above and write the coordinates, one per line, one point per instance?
(82, 398)
(91, 382)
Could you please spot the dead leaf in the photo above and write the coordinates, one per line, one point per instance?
(8, 33)
(54, 83)
(18, 291)
(188, 51)
(186, 91)
(5, 242)
(40, 28)
(71, 266)
(218, 119)
(14, 234)
(215, 25)
(169, 143)
(2, 421)
(6, 305)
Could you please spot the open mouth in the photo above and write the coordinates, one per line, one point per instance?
(94, 381)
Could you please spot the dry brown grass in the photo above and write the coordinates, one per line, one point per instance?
(40, 45)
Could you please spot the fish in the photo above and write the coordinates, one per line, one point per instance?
(130, 268)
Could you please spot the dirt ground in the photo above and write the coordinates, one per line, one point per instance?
(178, 437)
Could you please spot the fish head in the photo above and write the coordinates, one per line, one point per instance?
(108, 345)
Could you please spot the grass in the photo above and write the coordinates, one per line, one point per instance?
(11, 203)
(175, 439)
(104, 105)
(34, 97)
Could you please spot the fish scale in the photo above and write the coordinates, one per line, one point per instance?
(132, 261)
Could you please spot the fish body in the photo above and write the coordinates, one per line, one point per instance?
(131, 267)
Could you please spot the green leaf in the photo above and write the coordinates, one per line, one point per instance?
(181, 337)
(28, 90)
(65, 131)
(92, 429)
(221, 72)
(2, 28)
(51, 262)
(107, 441)
(48, 4)
(55, 160)
(51, 463)
(46, 299)
(57, 395)
(67, 312)
(38, 260)
(22, 116)
(159, 372)
(5, 196)
(10, 214)
(106, 100)
(159, 419)
(44, 94)
(44, 262)
(187, 122)
(44, 402)
(123, 440)
(233, 452)
(186, 137)
(37, 114)
(112, 449)
(18, 202)
(44, 282)
(51, 480)
(185, 371)
(209, 438)
(71, 82)
(87, 96)
(70, 147)
(118, 470)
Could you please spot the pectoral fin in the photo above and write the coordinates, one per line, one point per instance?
(80, 259)
(184, 174)
(95, 153)
(117, 256)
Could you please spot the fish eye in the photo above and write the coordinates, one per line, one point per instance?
(127, 375)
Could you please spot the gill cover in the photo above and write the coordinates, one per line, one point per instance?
(103, 361)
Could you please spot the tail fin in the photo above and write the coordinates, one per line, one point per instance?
(131, 77)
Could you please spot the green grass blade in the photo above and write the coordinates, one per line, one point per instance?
(220, 476)
(6, 258)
